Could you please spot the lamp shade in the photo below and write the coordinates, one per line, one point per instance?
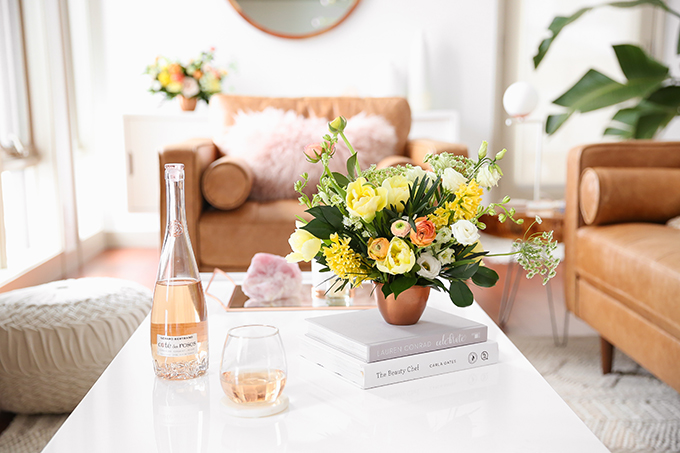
(520, 99)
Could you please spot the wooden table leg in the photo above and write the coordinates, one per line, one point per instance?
(607, 350)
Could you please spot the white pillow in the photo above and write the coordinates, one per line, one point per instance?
(272, 142)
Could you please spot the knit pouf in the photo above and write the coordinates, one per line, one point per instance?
(57, 338)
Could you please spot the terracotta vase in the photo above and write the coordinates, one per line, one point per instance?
(187, 105)
(406, 309)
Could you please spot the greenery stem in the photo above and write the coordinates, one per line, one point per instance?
(351, 150)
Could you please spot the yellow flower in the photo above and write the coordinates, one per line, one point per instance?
(400, 258)
(363, 200)
(468, 198)
(174, 87)
(164, 78)
(397, 191)
(305, 246)
(440, 217)
(343, 261)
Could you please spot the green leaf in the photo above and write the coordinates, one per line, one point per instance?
(621, 133)
(556, 27)
(402, 283)
(341, 179)
(595, 91)
(649, 125)
(555, 121)
(464, 272)
(319, 229)
(327, 214)
(351, 166)
(636, 64)
(386, 290)
(668, 96)
(460, 294)
(485, 277)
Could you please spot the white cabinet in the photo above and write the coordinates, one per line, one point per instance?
(145, 135)
(441, 125)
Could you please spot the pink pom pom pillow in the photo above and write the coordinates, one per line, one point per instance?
(272, 142)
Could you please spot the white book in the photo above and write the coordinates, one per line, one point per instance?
(375, 374)
(366, 336)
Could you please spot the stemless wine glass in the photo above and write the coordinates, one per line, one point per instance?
(253, 369)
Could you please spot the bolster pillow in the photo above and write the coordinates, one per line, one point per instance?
(227, 182)
(618, 195)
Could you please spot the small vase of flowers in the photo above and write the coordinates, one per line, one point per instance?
(192, 82)
(406, 229)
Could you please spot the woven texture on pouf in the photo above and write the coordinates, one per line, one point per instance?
(56, 339)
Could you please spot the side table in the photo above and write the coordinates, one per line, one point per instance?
(498, 238)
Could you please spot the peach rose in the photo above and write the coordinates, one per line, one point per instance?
(377, 248)
(424, 233)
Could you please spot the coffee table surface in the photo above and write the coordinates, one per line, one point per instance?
(506, 407)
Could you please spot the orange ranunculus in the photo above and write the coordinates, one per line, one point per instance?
(174, 68)
(197, 74)
(177, 77)
(377, 248)
(424, 233)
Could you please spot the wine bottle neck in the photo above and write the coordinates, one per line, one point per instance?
(176, 213)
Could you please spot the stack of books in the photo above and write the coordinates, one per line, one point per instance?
(362, 348)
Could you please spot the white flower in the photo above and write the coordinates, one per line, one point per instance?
(465, 232)
(190, 87)
(414, 173)
(451, 179)
(429, 266)
(447, 256)
(488, 177)
(444, 235)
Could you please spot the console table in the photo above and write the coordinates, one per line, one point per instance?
(506, 407)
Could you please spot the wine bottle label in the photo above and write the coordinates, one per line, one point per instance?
(179, 346)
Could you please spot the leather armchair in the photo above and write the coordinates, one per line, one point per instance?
(622, 263)
(229, 235)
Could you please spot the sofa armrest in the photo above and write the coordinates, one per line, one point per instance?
(395, 161)
(419, 148)
(196, 155)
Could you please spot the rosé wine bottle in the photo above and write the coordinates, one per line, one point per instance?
(179, 318)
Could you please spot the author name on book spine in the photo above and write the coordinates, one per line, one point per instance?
(445, 341)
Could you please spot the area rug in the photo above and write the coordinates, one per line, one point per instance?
(629, 410)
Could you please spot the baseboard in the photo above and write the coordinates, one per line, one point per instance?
(145, 239)
(92, 246)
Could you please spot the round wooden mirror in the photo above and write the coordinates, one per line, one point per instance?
(294, 19)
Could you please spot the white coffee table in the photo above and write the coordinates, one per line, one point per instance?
(506, 407)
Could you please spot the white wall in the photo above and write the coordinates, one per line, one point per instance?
(354, 58)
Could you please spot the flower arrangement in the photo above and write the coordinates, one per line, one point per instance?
(404, 226)
(197, 79)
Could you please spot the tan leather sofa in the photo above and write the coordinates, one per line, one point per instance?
(622, 261)
(228, 237)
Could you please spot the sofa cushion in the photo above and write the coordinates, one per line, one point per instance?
(617, 195)
(227, 182)
(272, 142)
(636, 263)
(229, 239)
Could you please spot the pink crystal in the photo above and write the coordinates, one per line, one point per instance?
(271, 278)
